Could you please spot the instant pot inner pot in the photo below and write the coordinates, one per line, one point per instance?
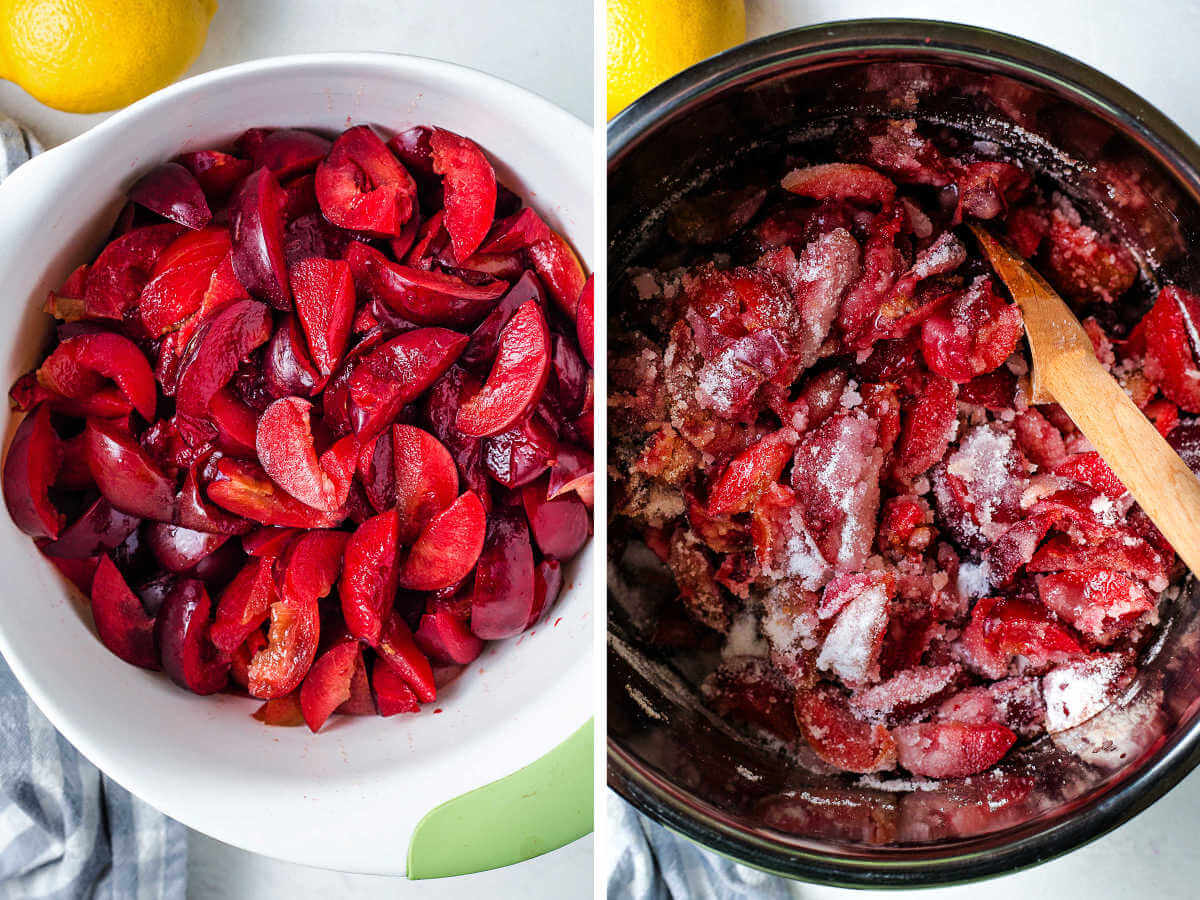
(702, 768)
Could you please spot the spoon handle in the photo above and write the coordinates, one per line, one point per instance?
(1157, 478)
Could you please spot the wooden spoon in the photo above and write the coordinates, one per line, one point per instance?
(1066, 371)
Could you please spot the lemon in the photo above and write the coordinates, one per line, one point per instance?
(88, 56)
(651, 40)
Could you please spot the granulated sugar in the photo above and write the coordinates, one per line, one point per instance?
(849, 649)
(974, 580)
(743, 638)
(1077, 691)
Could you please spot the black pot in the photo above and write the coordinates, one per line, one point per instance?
(1114, 154)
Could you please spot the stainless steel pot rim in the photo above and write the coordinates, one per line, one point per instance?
(982, 49)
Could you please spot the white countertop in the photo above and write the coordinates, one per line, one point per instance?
(542, 45)
(1151, 48)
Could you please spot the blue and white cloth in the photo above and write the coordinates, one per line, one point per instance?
(16, 146)
(649, 862)
(66, 830)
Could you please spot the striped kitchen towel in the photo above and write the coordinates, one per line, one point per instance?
(66, 830)
(649, 862)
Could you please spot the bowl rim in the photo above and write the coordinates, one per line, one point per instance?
(983, 49)
(568, 710)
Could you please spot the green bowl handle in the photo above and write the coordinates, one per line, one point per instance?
(539, 808)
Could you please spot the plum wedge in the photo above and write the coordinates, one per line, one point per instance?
(121, 620)
(306, 429)
(397, 372)
(517, 379)
(33, 460)
(361, 186)
(447, 548)
(369, 576)
(469, 185)
(174, 193)
(258, 259)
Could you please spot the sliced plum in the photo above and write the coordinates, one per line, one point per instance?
(181, 279)
(239, 658)
(236, 423)
(572, 471)
(223, 290)
(504, 578)
(516, 232)
(567, 390)
(101, 528)
(115, 280)
(281, 712)
(377, 471)
(180, 549)
(441, 409)
(324, 295)
(951, 749)
(425, 479)
(174, 193)
(244, 605)
(122, 622)
(396, 373)
(393, 695)
(423, 297)
(285, 448)
(446, 638)
(485, 339)
(34, 458)
(842, 181)
(79, 367)
(547, 585)
(750, 473)
(310, 569)
(404, 241)
(369, 576)
(327, 684)
(560, 270)
(399, 652)
(287, 369)
(973, 335)
(268, 542)
(181, 629)
(287, 152)
(521, 454)
(1172, 346)
(447, 548)
(360, 702)
(126, 476)
(517, 379)
(243, 488)
(194, 511)
(362, 186)
(430, 243)
(217, 350)
(583, 323)
(469, 185)
(217, 173)
(257, 220)
(838, 737)
(561, 526)
(414, 150)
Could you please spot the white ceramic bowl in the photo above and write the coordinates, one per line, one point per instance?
(349, 797)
